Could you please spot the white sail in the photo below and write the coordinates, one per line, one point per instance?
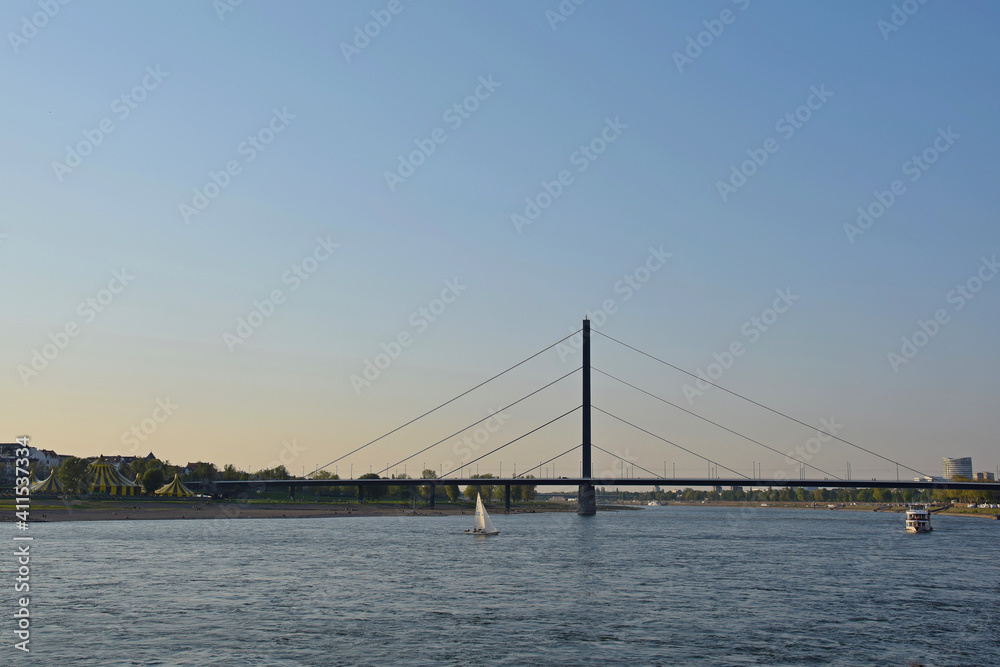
(482, 523)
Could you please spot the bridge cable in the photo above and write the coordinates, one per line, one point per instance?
(452, 400)
(694, 414)
(521, 476)
(481, 420)
(636, 465)
(750, 400)
(514, 440)
(703, 458)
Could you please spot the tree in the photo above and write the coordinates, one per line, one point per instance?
(400, 491)
(486, 489)
(152, 479)
(425, 491)
(205, 471)
(279, 472)
(230, 473)
(500, 493)
(138, 466)
(375, 491)
(452, 492)
(72, 473)
(528, 493)
(325, 474)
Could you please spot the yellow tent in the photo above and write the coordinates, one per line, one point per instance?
(105, 479)
(50, 484)
(175, 488)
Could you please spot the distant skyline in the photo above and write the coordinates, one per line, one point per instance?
(259, 232)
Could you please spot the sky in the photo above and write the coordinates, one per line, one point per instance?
(218, 215)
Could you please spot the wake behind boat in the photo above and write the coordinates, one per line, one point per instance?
(481, 524)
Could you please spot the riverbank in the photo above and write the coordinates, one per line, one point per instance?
(50, 509)
(45, 510)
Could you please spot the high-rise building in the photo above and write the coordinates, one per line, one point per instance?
(983, 477)
(957, 467)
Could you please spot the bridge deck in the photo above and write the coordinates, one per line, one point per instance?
(632, 481)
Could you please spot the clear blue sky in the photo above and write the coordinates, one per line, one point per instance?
(345, 120)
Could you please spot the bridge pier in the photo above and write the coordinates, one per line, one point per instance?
(361, 493)
(291, 492)
(506, 499)
(586, 499)
(433, 493)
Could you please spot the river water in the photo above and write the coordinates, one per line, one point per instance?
(670, 585)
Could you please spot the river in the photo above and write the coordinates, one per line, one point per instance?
(670, 585)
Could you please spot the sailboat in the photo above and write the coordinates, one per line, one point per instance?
(482, 524)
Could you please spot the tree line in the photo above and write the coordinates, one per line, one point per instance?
(800, 494)
(153, 474)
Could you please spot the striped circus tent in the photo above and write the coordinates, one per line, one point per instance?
(105, 479)
(50, 484)
(175, 488)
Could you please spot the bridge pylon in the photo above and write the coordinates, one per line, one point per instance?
(586, 499)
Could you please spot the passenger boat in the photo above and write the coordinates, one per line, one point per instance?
(653, 503)
(918, 519)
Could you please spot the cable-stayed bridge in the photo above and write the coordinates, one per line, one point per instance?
(586, 480)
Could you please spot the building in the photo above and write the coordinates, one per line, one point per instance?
(983, 477)
(46, 458)
(951, 468)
